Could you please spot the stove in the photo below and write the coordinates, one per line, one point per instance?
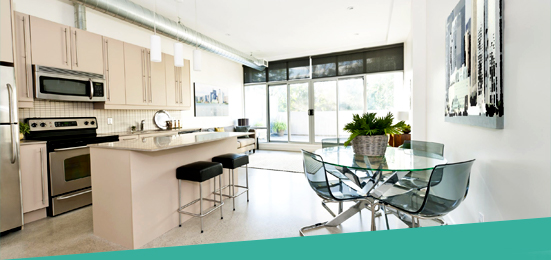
(68, 158)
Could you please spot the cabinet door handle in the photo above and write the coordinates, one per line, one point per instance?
(76, 49)
(25, 56)
(149, 74)
(143, 77)
(66, 48)
(107, 70)
(176, 84)
(42, 175)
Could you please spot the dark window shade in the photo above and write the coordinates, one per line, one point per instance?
(324, 67)
(253, 76)
(299, 69)
(384, 60)
(277, 71)
(351, 64)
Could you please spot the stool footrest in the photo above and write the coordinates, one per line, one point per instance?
(181, 211)
(217, 192)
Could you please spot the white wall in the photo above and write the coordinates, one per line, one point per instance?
(216, 71)
(511, 175)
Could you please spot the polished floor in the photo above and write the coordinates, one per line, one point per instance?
(280, 204)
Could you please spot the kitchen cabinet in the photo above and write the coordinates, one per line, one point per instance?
(34, 182)
(178, 86)
(6, 39)
(51, 43)
(86, 51)
(157, 86)
(114, 71)
(22, 60)
(135, 74)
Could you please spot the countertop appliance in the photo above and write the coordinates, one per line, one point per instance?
(11, 213)
(69, 85)
(68, 158)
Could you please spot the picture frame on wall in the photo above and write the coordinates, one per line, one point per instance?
(210, 100)
(474, 74)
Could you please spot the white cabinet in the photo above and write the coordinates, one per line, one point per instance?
(6, 41)
(34, 176)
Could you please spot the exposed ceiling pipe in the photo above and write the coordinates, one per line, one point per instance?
(143, 17)
(80, 16)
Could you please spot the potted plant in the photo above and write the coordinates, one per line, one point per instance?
(279, 127)
(396, 140)
(368, 133)
(23, 130)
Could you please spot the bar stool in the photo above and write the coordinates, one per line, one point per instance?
(198, 172)
(232, 161)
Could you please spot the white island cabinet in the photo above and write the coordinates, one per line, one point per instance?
(135, 190)
(34, 180)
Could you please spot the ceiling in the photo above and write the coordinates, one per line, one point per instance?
(283, 29)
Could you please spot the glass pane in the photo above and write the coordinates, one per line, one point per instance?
(324, 67)
(278, 112)
(64, 86)
(385, 92)
(351, 64)
(350, 102)
(251, 75)
(325, 109)
(255, 105)
(77, 167)
(299, 123)
(299, 69)
(277, 71)
(385, 60)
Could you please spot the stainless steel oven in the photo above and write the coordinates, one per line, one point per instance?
(69, 85)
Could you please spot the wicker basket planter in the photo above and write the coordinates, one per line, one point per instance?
(370, 145)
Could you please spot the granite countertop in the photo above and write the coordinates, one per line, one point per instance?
(159, 143)
(159, 131)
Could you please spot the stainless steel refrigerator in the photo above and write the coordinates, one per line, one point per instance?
(11, 214)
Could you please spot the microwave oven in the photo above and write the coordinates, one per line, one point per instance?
(68, 85)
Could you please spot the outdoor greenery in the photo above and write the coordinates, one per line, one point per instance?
(370, 124)
(24, 128)
(380, 92)
(279, 126)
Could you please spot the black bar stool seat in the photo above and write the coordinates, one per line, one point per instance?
(233, 161)
(199, 172)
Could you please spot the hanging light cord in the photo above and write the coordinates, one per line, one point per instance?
(196, 28)
(155, 18)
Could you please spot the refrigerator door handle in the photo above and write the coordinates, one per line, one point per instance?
(12, 124)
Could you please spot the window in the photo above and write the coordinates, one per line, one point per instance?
(385, 92)
(277, 71)
(351, 64)
(253, 76)
(255, 105)
(299, 69)
(324, 67)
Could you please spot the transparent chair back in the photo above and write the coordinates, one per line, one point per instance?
(328, 181)
(448, 186)
(332, 142)
(429, 147)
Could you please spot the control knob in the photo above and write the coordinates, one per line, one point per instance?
(33, 125)
(85, 122)
(92, 122)
(43, 124)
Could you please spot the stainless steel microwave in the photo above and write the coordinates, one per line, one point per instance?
(68, 85)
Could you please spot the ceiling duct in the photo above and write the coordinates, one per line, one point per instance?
(143, 17)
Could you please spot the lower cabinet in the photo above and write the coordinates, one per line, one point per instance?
(34, 174)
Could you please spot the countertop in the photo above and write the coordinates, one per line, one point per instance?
(159, 143)
(29, 142)
(159, 131)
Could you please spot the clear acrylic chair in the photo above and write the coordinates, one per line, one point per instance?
(332, 142)
(417, 179)
(331, 183)
(446, 189)
(429, 147)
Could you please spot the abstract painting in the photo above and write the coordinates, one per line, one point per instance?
(474, 87)
(211, 100)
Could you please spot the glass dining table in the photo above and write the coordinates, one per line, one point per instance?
(393, 166)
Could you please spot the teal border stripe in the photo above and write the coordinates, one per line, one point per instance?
(492, 240)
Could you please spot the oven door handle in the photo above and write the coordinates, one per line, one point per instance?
(74, 195)
(70, 148)
(91, 89)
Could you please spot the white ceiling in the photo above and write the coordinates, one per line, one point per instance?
(282, 29)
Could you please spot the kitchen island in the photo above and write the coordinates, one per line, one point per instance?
(134, 185)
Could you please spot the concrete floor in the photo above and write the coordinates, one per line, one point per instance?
(280, 204)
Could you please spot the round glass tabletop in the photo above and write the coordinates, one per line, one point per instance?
(395, 159)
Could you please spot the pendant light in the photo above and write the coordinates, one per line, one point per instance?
(155, 40)
(196, 52)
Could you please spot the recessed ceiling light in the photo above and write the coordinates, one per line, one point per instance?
(227, 34)
(350, 8)
(357, 34)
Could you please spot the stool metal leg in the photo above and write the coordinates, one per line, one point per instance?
(201, 203)
(247, 179)
(179, 202)
(233, 187)
(221, 209)
(214, 182)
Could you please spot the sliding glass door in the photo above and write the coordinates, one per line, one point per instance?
(299, 122)
(325, 109)
(351, 101)
(277, 99)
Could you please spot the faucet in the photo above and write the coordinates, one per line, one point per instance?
(141, 125)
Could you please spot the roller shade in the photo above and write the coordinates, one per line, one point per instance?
(324, 67)
(277, 71)
(384, 60)
(251, 75)
(299, 69)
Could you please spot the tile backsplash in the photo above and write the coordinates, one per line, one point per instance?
(122, 119)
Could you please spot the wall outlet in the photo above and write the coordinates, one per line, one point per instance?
(109, 120)
(480, 217)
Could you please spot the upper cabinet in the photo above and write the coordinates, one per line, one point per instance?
(6, 40)
(51, 43)
(22, 60)
(87, 51)
(177, 83)
(60, 46)
(114, 71)
(157, 86)
(135, 69)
